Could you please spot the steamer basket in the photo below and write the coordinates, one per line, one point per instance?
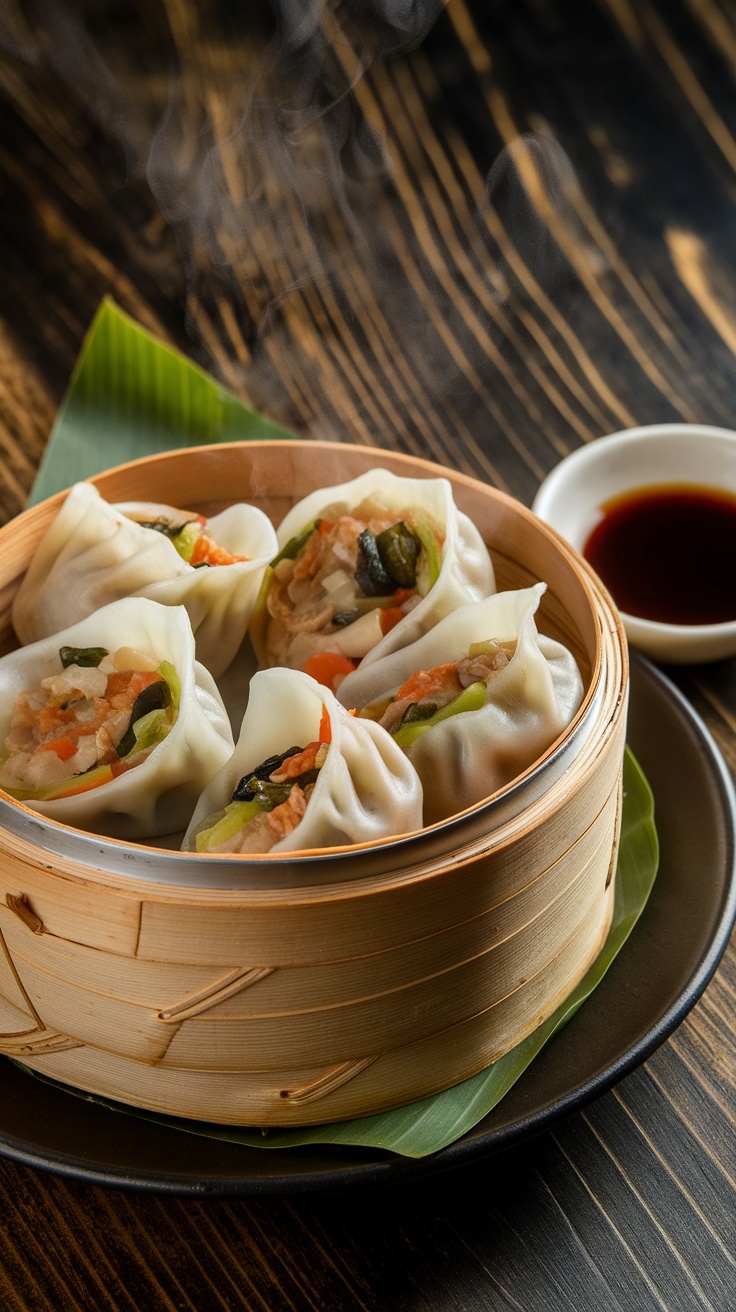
(326, 985)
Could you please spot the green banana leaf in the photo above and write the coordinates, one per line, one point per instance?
(426, 1126)
(131, 396)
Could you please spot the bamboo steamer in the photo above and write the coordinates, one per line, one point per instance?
(324, 985)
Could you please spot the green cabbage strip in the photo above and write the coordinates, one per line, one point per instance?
(470, 699)
(186, 539)
(97, 774)
(150, 729)
(295, 544)
(169, 673)
(428, 570)
(223, 825)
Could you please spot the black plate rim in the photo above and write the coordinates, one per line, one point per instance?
(375, 1168)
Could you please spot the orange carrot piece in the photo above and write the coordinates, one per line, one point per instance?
(128, 683)
(297, 764)
(83, 783)
(425, 682)
(327, 666)
(65, 747)
(117, 683)
(52, 717)
(325, 728)
(207, 552)
(140, 680)
(389, 617)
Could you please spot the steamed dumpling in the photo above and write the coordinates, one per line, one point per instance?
(364, 569)
(305, 774)
(111, 725)
(475, 702)
(95, 553)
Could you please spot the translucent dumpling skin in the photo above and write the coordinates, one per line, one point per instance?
(354, 784)
(476, 701)
(95, 553)
(133, 776)
(363, 569)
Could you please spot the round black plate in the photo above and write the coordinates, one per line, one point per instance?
(659, 975)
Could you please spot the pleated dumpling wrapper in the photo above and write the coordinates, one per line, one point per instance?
(111, 725)
(305, 774)
(95, 553)
(365, 568)
(476, 701)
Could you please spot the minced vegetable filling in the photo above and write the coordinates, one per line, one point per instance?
(191, 540)
(100, 715)
(345, 581)
(269, 801)
(431, 696)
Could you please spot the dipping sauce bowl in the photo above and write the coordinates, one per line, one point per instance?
(654, 511)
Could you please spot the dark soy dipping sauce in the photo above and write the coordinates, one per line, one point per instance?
(668, 553)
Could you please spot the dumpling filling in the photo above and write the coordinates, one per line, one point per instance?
(431, 696)
(100, 716)
(345, 582)
(187, 533)
(268, 802)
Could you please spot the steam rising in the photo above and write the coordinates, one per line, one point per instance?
(288, 185)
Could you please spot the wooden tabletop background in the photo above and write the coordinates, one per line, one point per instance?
(485, 233)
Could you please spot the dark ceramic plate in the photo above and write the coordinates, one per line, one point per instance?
(659, 975)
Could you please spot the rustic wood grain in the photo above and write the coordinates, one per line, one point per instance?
(485, 246)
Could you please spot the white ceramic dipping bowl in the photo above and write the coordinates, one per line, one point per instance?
(571, 497)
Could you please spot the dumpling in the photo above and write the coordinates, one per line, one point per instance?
(475, 702)
(364, 569)
(95, 553)
(305, 774)
(111, 725)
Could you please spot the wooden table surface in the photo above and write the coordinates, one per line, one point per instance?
(486, 233)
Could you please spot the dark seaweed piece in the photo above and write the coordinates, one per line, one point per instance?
(203, 564)
(273, 794)
(151, 698)
(418, 711)
(370, 575)
(399, 549)
(89, 657)
(261, 789)
(164, 526)
(263, 771)
(343, 617)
